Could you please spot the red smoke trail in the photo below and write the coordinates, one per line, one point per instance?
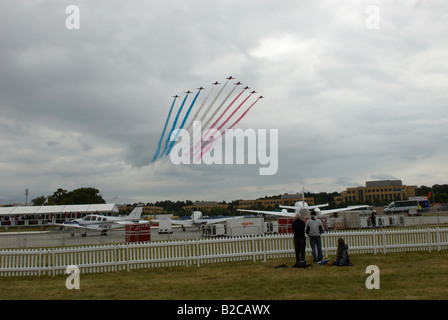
(209, 146)
(219, 118)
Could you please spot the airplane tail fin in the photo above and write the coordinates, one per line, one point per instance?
(136, 213)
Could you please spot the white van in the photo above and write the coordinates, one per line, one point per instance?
(410, 206)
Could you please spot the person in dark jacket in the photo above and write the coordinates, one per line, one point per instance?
(342, 258)
(298, 226)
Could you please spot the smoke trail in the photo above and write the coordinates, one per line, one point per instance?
(211, 118)
(200, 108)
(174, 124)
(214, 100)
(209, 146)
(205, 136)
(183, 122)
(213, 125)
(163, 132)
(208, 109)
(219, 108)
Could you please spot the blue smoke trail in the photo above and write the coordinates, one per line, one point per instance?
(163, 132)
(174, 124)
(183, 122)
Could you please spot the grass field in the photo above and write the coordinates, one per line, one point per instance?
(413, 275)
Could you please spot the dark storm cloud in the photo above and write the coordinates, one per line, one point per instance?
(86, 107)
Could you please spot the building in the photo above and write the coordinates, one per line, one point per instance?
(204, 206)
(382, 190)
(150, 210)
(284, 200)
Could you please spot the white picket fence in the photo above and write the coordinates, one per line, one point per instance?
(109, 258)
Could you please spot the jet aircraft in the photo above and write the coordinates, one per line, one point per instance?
(299, 207)
(215, 83)
(303, 208)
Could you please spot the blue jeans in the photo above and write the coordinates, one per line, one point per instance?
(316, 248)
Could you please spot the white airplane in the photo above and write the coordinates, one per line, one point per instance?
(197, 220)
(96, 222)
(301, 206)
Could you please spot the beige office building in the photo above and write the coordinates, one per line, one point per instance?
(285, 200)
(390, 190)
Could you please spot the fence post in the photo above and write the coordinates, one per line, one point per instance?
(438, 238)
(429, 238)
(374, 241)
(197, 252)
(264, 248)
(384, 241)
(39, 263)
(52, 262)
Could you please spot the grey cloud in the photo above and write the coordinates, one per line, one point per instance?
(88, 106)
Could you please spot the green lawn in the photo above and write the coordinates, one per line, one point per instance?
(413, 275)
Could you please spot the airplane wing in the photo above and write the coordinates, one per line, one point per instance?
(217, 220)
(190, 222)
(309, 207)
(78, 226)
(129, 222)
(282, 213)
(342, 209)
(183, 222)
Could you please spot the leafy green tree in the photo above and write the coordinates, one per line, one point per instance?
(77, 196)
(38, 201)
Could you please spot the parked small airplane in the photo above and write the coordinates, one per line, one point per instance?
(96, 222)
(197, 220)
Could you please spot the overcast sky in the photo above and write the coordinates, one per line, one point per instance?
(356, 89)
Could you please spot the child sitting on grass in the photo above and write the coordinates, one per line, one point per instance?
(342, 258)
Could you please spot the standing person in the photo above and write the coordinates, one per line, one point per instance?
(314, 229)
(373, 220)
(298, 225)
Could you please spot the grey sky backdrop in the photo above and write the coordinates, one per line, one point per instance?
(352, 101)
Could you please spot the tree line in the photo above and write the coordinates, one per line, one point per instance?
(438, 193)
(77, 196)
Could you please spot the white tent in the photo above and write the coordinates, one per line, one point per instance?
(107, 208)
